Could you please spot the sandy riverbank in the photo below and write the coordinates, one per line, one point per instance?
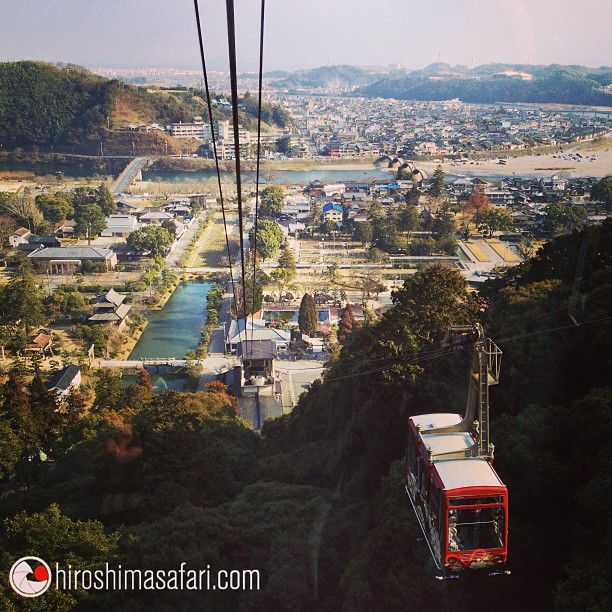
(535, 165)
(544, 164)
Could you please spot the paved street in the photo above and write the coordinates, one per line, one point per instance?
(185, 240)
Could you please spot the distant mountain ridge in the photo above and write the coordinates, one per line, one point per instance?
(496, 82)
(499, 83)
(339, 77)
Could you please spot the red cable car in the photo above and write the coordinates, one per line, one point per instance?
(459, 500)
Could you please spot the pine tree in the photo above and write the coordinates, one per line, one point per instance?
(22, 298)
(346, 325)
(108, 390)
(307, 317)
(46, 421)
(16, 407)
(74, 407)
(144, 380)
(438, 185)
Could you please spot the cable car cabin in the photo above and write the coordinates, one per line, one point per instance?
(458, 498)
(460, 501)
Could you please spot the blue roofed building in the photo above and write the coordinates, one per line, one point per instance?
(332, 212)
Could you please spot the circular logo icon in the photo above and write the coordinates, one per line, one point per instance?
(30, 576)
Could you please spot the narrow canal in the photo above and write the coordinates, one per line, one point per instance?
(176, 328)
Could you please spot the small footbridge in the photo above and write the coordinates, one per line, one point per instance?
(142, 363)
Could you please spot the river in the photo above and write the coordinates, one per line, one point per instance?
(326, 174)
(174, 329)
(43, 169)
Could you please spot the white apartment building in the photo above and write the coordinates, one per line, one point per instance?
(197, 129)
(224, 133)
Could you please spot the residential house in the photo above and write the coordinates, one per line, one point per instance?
(179, 210)
(336, 188)
(109, 309)
(480, 184)
(156, 217)
(65, 381)
(500, 197)
(124, 206)
(332, 212)
(120, 226)
(36, 242)
(40, 343)
(66, 229)
(19, 236)
(462, 185)
(315, 188)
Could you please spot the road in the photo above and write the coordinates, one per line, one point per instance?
(128, 174)
(184, 241)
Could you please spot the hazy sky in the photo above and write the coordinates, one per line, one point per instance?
(309, 33)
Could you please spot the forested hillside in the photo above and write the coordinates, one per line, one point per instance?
(44, 105)
(317, 503)
(70, 109)
(552, 84)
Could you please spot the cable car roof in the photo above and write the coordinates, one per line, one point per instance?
(437, 444)
(461, 473)
(433, 421)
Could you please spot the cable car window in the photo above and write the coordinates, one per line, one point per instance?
(471, 529)
(412, 463)
(435, 501)
(476, 501)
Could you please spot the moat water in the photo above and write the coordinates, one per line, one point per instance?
(175, 329)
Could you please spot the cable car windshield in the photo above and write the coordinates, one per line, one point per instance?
(475, 528)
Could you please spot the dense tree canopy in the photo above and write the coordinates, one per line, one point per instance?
(82, 102)
(477, 202)
(55, 208)
(22, 207)
(89, 221)
(21, 300)
(363, 233)
(267, 239)
(84, 105)
(272, 201)
(563, 219)
(493, 220)
(560, 84)
(152, 239)
(602, 192)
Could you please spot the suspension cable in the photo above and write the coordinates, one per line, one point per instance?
(231, 38)
(421, 357)
(254, 245)
(218, 172)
